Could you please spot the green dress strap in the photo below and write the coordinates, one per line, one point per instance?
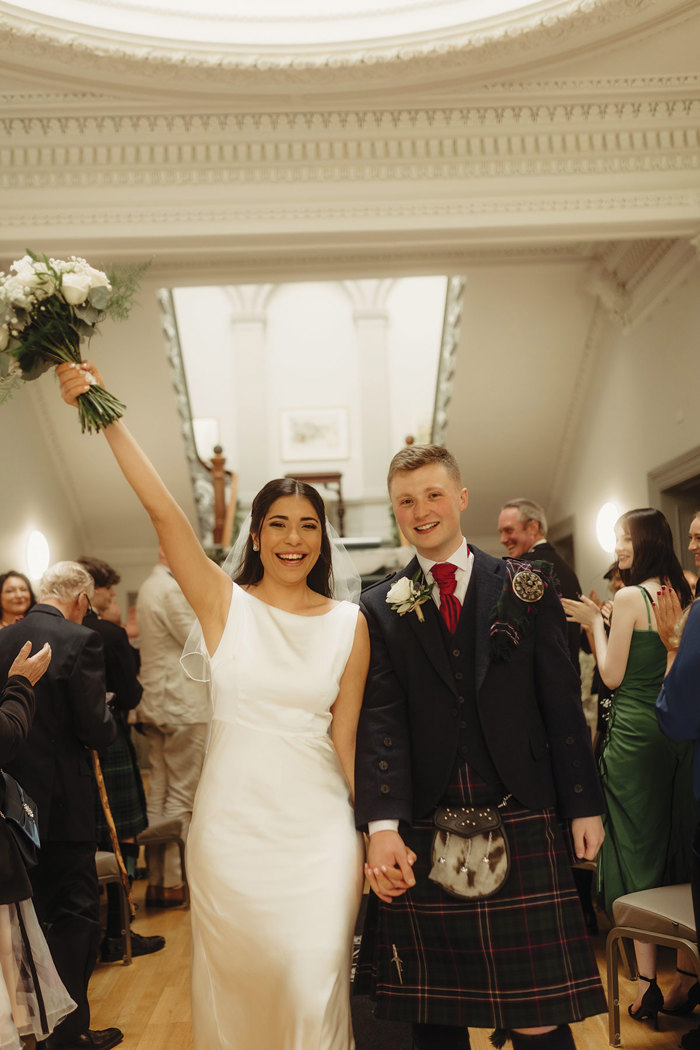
(647, 601)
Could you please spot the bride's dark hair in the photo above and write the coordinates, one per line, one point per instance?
(653, 554)
(320, 579)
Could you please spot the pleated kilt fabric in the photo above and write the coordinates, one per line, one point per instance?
(520, 959)
(124, 791)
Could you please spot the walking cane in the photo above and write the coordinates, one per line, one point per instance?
(112, 829)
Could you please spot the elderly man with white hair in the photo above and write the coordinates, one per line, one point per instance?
(53, 765)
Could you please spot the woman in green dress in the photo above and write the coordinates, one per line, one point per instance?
(647, 779)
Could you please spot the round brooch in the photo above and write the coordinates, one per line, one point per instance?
(528, 585)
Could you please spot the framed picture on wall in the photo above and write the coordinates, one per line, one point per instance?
(315, 433)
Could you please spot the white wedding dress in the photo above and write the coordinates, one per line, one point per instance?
(274, 860)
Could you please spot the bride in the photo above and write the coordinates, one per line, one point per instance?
(274, 860)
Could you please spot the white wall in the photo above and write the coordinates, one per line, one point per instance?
(642, 411)
(33, 494)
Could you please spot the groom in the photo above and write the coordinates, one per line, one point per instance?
(472, 700)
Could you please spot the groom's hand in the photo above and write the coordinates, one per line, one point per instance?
(389, 865)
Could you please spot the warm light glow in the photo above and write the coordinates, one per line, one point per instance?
(37, 555)
(605, 526)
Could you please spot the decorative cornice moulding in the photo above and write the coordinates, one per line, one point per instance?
(520, 117)
(630, 280)
(161, 150)
(506, 100)
(684, 201)
(464, 51)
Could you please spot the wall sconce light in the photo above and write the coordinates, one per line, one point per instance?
(605, 526)
(37, 555)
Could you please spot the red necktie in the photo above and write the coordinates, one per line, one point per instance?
(450, 607)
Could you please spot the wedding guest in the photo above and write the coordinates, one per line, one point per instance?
(694, 538)
(646, 778)
(678, 712)
(522, 527)
(53, 765)
(32, 998)
(174, 715)
(16, 597)
(120, 769)
(472, 700)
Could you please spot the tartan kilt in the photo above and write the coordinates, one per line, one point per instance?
(519, 959)
(125, 792)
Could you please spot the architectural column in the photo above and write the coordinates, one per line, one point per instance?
(371, 325)
(250, 398)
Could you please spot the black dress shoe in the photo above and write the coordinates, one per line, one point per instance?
(112, 949)
(691, 1039)
(93, 1039)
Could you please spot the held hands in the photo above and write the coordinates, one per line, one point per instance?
(667, 610)
(583, 611)
(31, 667)
(77, 379)
(388, 867)
(588, 834)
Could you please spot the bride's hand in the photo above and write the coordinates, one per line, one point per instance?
(77, 379)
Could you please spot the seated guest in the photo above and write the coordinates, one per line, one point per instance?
(53, 766)
(32, 997)
(16, 597)
(120, 769)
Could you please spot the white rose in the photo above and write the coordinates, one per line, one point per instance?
(98, 279)
(401, 591)
(75, 288)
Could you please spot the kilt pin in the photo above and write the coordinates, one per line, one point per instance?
(448, 718)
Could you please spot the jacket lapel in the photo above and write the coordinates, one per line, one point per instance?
(429, 633)
(489, 583)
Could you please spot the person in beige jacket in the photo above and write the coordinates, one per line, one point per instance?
(174, 713)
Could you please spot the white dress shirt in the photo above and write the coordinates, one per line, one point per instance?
(463, 560)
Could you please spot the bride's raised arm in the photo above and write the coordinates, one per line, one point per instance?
(206, 587)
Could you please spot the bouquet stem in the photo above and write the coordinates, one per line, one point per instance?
(97, 409)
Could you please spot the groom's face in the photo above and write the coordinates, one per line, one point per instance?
(427, 503)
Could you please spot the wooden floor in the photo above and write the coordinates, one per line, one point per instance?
(150, 1001)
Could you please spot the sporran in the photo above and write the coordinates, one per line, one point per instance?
(470, 854)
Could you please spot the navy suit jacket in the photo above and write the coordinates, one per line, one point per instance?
(53, 764)
(678, 705)
(529, 708)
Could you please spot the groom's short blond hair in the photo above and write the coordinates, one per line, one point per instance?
(415, 456)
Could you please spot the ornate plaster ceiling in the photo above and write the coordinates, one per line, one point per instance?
(273, 53)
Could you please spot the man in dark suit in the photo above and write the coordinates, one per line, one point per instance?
(119, 763)
(54, 767)
(522, 527)
(473, 702)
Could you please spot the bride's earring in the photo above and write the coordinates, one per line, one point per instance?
(255, 546)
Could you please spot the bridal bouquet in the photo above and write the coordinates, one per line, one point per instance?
(48, 307)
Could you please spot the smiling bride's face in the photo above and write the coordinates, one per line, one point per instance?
(289, 540)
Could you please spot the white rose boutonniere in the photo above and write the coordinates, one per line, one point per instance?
(408, 595)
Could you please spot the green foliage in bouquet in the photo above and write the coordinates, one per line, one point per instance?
(48, 307)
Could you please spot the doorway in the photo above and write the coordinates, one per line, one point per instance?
(675, 489)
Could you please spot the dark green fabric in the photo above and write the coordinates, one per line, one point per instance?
(647, 784)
